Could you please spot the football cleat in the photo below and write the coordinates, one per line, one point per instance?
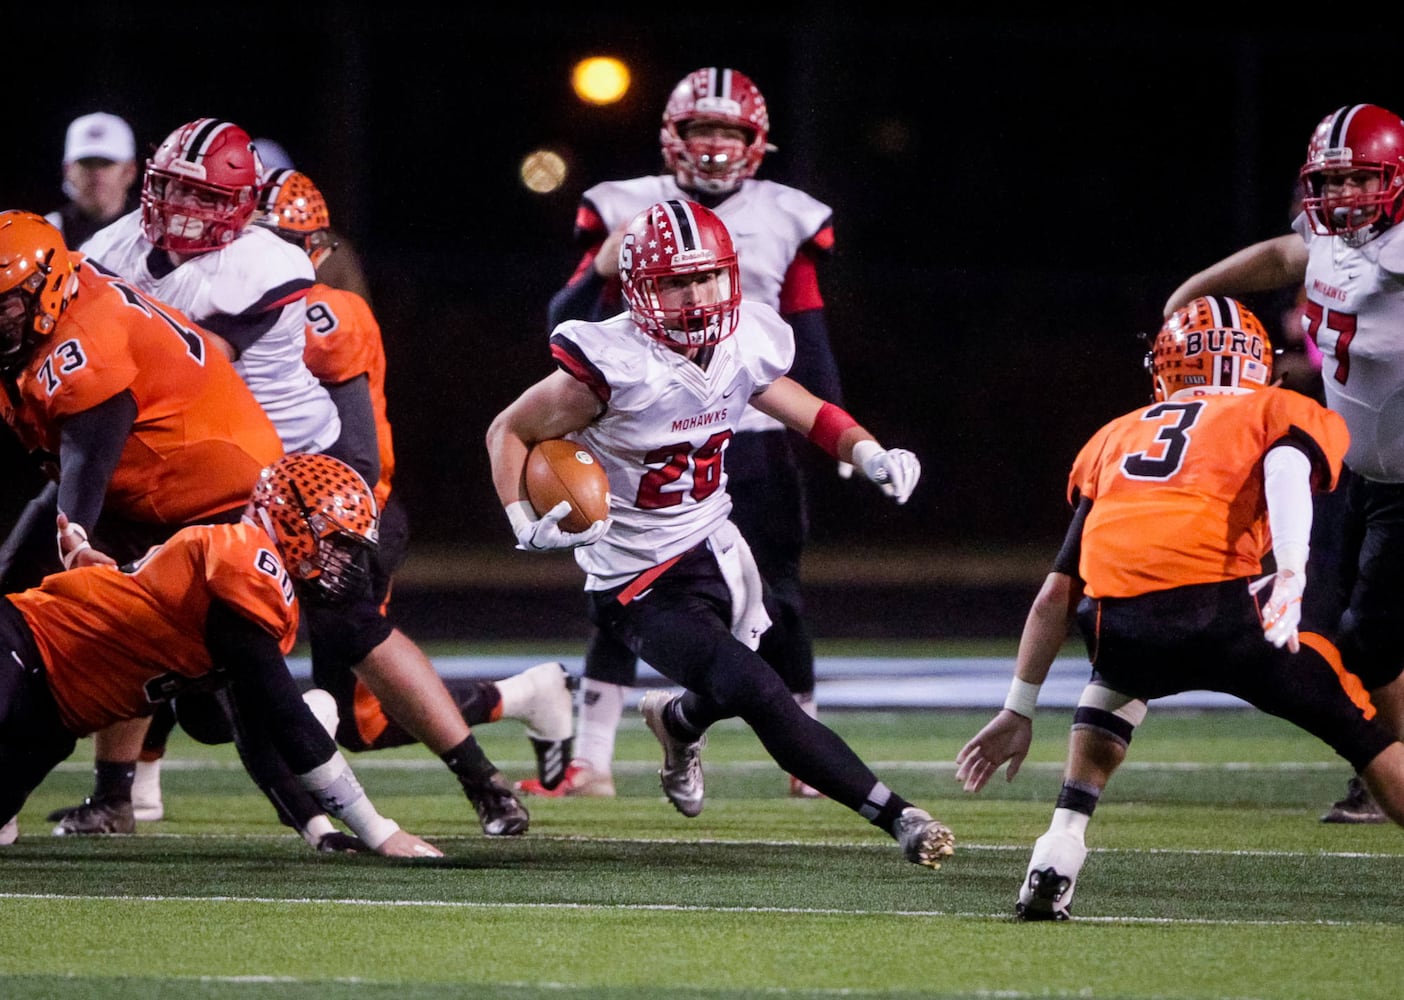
(542, 697)
(9, 833)
(499, 812)
(580, 781)
(95, 816)
(1048, 886)
(925, 841)
(147, 806)
(681, 773)
(1358, 806)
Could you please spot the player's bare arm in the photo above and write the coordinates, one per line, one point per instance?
(551, 408)
(1269, 264)
(895, 470)
(1007, 737)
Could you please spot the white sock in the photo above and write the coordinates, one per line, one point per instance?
(146, 781)
(1067, 821)
(601, 708)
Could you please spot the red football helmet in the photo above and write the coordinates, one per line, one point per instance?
(200, 187)
(37, 281)
(323, 518)
(723, 97)
(1356, 138)
(1210, 344)
(671, 239)
(290, 205)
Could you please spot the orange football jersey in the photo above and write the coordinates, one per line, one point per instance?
(117, 643)
(1177, 487)
(200, 437)
(343, 341)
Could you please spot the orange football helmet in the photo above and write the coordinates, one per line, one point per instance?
(1212, 344)
(38, 279)
(290, 205)
(323, 517)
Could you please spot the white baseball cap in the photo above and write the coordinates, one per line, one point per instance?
(99, 135)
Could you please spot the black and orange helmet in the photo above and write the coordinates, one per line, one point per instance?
(323, 517)
(1213, 343)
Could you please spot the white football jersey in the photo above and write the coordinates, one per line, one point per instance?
(250, 275)
(1355, 312)
(664, 431)
(769, 222)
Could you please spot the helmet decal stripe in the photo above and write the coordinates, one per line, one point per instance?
(1341, 125)
(200, 144)
(724, 85)
(683, 224)
(1224, 310)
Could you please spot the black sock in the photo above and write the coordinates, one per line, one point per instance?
(112, 779)
(882, 807)
(469, 763)
(677, 724)
(1078, 797)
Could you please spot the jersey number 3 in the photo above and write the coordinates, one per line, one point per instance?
(1173, 437)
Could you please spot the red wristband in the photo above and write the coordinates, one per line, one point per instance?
(829, 424)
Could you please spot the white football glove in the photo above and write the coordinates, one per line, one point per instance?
(1283, 611)
(544, 534)
(894, 470)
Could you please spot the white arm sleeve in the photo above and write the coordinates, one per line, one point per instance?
(1287, 490)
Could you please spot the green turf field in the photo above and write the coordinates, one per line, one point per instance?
(1209, 877)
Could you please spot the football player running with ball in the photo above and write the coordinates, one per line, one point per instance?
(657, 393)
(714, 135)
(1176, 506)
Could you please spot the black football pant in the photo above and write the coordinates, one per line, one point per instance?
(680, 627)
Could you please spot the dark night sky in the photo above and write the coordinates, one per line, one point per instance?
(1014, 199)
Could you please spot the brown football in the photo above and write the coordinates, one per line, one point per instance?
(559, 470)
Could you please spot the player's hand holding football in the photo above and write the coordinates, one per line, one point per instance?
(545, 533)
(894, 470)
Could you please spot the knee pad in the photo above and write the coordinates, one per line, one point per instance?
(1109, 712)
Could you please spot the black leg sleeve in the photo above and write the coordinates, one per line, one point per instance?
(275, 732)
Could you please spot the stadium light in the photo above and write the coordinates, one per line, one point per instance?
(600, 80)
(543, 170)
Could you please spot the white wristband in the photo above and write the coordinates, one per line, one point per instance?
(1022, 697)
(77, 531)
(336, 790)
(863, 451)
(521, 516)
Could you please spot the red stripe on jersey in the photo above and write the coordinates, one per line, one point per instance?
(569, 359)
